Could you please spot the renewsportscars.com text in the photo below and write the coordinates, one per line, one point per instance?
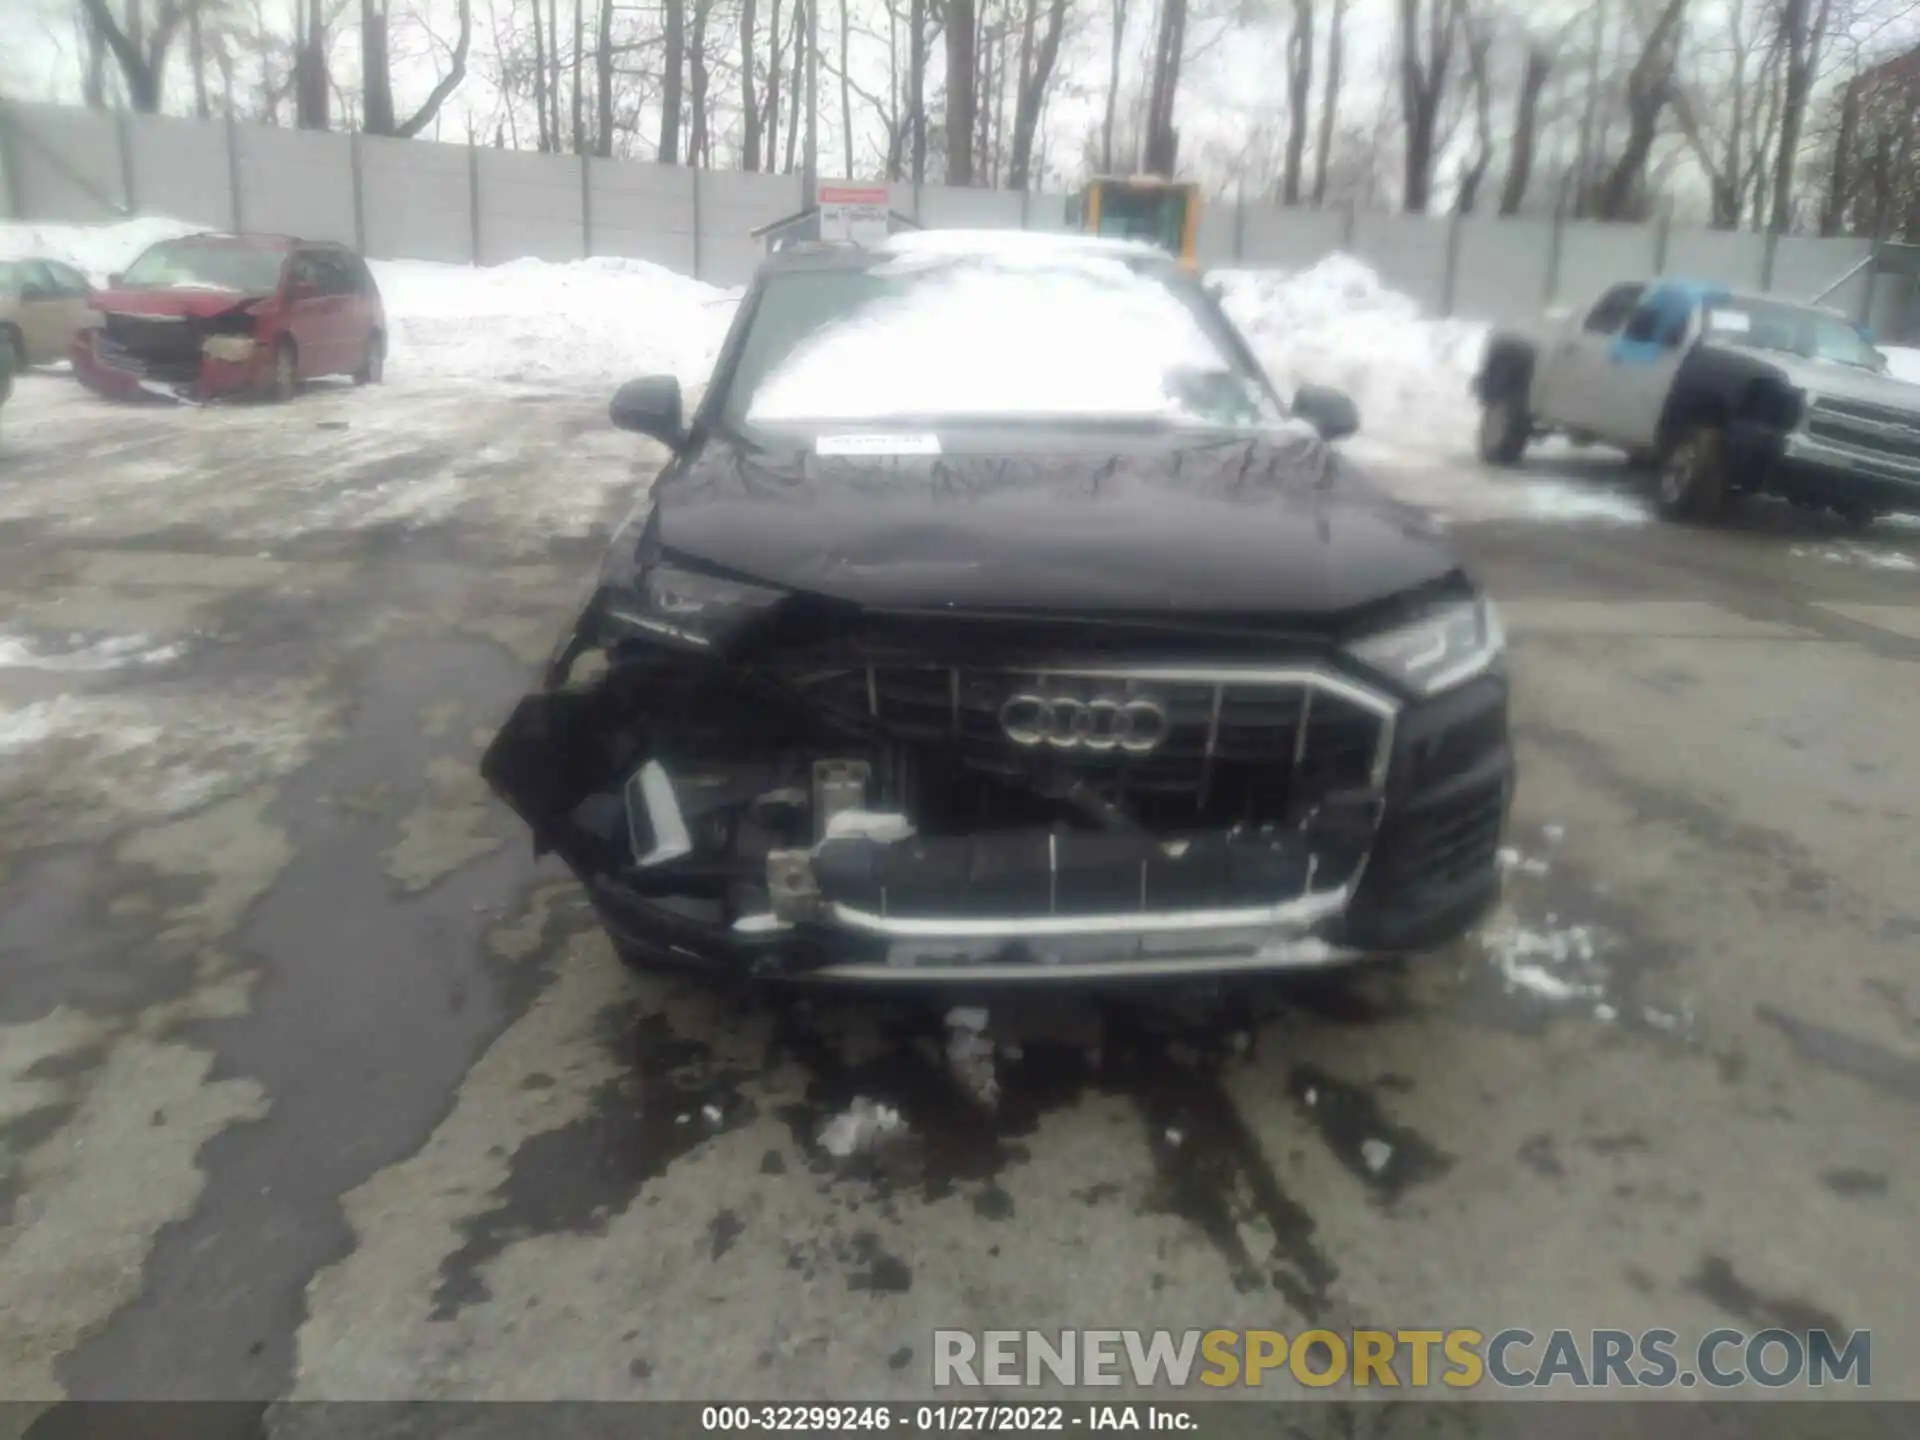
(1458, 1359)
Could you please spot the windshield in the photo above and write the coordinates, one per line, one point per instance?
(933, 338)
(196, 265)
(1795, 329)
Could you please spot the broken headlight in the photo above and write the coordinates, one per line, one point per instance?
(1447, 646)
(686, 607)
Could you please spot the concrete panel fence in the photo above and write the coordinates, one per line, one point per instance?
(424, 200)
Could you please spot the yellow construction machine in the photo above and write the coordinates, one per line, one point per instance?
(1143, 207)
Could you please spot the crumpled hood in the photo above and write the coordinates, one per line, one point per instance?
(1842, 382)
(183, 302)
(1274, 526)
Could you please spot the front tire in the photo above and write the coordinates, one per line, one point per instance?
(284, 383)
(1693, 474)
(1505, 429)
(373, 365)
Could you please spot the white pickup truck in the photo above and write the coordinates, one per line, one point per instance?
(1726, 393)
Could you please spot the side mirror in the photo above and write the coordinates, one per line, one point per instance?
(650, 406)
(114, 280)
(1331, 412)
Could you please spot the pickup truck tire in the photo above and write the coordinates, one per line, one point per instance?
(1693, 474)
(1505, 428)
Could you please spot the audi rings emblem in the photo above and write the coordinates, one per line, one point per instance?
(1134, 725)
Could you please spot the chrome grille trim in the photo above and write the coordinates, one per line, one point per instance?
(1307, 678)
(1300, 912)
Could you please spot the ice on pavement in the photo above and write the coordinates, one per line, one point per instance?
(1863, 555)
(77, 654)
(861, 1126)
(1559, 962)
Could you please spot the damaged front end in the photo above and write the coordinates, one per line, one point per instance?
(781, 786)
(189, 358)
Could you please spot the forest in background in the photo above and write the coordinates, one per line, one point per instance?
(1790, 115)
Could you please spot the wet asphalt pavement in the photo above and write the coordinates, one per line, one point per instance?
(314, 1083)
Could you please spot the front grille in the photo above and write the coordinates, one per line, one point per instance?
(160, 348)
(1311, 733)
(1879, 429)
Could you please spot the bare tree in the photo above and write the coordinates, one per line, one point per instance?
(960, 20)
(376, 71)
(197, 58)
(1423, 83)
(699, 143)
(1584, 163)
(672, 67)
(1803, 34)
(1038, 58)
(846, 87)
(918, 43)
(577, 60)
(312, 93)
(1727, 155)
(140, 53)
(540, 78)
(1479, 34)
(774, 47)
(1170, 41)
(1119, 12)
(603, 83)
(1329, 100)
(797, 82)
(1534, 74)
(1650, 85)
(1299, 96)
(749, 107)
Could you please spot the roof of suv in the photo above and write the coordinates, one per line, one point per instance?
(257, 242)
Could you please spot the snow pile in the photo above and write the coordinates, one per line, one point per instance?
(583, 322)
(1903, 363)
(99, 250)
(1337, 324)
(580, 323)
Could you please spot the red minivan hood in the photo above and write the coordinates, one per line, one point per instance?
(181, 301)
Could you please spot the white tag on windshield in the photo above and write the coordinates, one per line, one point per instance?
(861, 445)
(1729, 322)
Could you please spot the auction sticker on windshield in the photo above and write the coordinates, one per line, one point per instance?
(864, 445)
(1736, 322)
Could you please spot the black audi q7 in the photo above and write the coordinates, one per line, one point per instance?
(993, 620)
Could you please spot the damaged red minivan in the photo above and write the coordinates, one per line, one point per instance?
(211, 315)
